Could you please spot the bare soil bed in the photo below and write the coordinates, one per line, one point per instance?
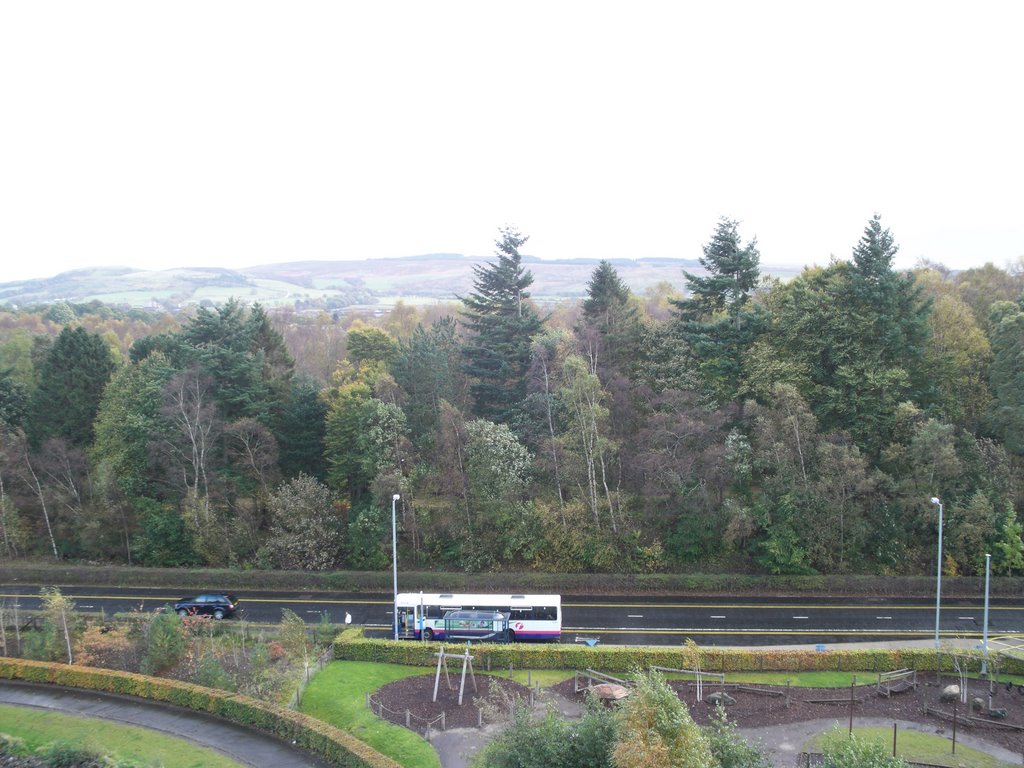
(753, 706)
(416, 695)
(762, 705)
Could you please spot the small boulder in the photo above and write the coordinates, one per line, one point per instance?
(950, 693)
(719, 697)
(977, 704)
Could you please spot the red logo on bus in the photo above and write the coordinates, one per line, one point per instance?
(519, 625)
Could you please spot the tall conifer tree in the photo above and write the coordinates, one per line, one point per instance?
(501, 323)
(74, 373)
(611, 325)
(718, 320)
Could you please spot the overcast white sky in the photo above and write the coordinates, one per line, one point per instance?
(160, 135)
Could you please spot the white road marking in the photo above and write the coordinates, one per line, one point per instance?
(965, 618)
(884, 618)
(718, 617)
(799, 617)
(634, 616)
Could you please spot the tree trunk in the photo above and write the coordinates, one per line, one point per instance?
(42, 503)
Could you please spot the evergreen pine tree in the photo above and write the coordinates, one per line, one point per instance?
(1006, 376)
(892, 310)
(717, 320)
(427, 369)
(501, 323)
(71, 382)
(611, 325)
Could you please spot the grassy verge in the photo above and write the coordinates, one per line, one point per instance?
(192, 579)
(141, 745)
(337, 695)
(530, 677)
(915, 746)
(795, 679)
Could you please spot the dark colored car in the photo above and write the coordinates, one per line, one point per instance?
(220, 605)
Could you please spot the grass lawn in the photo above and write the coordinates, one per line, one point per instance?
(142, 745)
(796, 679)
(527, 677)
(337, 695)
(920, 747)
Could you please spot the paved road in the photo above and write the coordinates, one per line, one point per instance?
(711, 621)
(243, 745)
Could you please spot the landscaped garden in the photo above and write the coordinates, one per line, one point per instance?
(360, 696)
(57, 739)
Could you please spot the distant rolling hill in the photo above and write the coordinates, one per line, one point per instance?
(331, 284)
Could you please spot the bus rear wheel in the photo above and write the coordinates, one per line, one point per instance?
(428, 634)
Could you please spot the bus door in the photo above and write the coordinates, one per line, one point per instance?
(407, 622)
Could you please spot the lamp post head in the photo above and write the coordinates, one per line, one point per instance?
(396, 497)
(935, 500)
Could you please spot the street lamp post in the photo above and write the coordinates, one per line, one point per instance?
(394, 559)
(984, 631)
(938, 574)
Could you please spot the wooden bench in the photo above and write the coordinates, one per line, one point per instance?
(897, 681)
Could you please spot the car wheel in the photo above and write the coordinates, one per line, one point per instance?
(182, 612)
(218, 614)
(428, 634)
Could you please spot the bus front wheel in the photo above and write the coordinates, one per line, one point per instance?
(511, 636)
(428, 634)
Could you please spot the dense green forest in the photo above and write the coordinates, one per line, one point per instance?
(743, 423)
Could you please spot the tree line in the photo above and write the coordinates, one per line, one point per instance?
(746, 423)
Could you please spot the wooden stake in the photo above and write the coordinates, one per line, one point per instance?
(954, 726)
(852, 683)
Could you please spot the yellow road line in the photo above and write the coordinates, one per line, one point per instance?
(811, 633)
(160, 598)
(785, 606)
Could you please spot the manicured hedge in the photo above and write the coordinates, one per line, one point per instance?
(333, 744)
(189, 580)
(351, 645)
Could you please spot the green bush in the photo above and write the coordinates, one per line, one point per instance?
(844, 750)
(553, 741)
(165, 643)
(61, 754)
(729, 748)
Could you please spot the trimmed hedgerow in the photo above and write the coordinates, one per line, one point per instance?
(351, 645)
(334, 744)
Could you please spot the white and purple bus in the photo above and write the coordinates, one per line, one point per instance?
(530, 617)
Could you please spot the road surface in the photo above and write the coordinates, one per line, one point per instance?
(721, 621)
